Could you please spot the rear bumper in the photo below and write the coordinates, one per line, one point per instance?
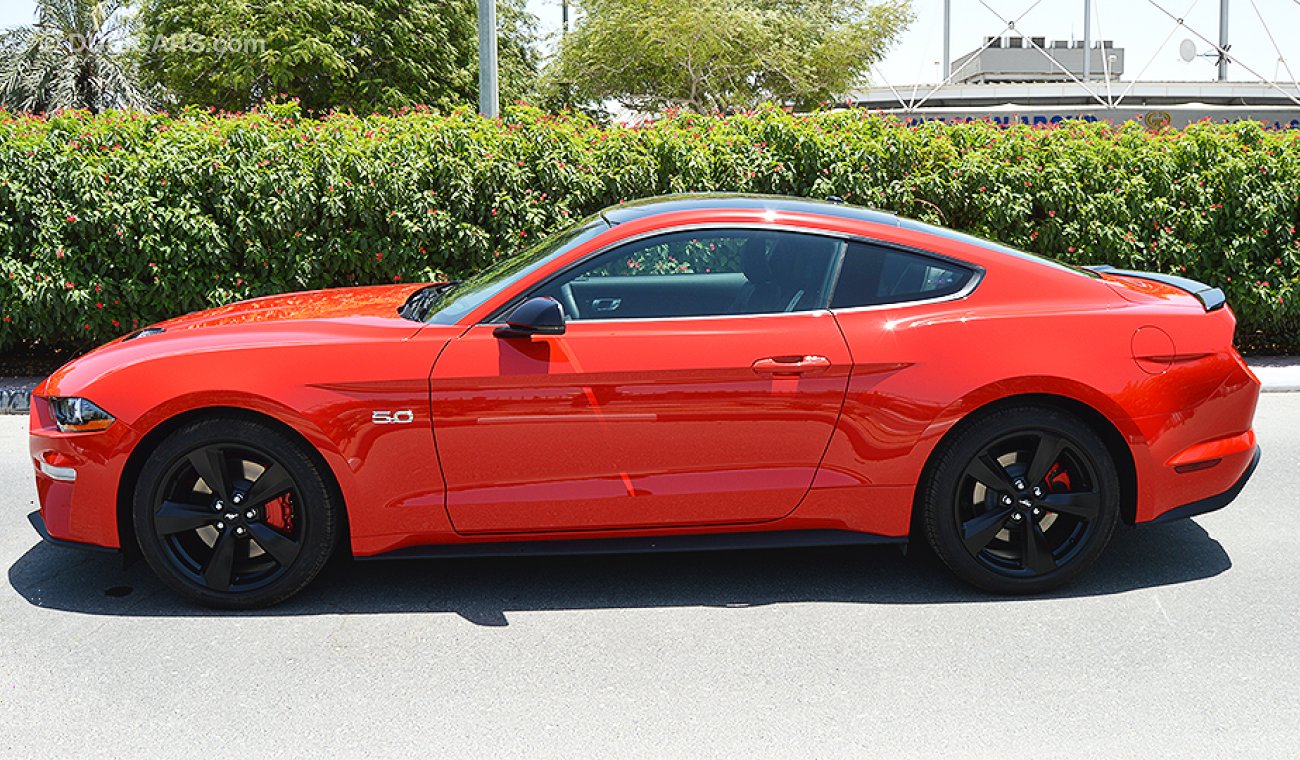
(1197, 439)
(1218, 501)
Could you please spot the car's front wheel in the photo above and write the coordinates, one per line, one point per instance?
(1022, 499)
(234, 513)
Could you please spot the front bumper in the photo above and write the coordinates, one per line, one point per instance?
(38, 523)
(1218, 501)
(77, 478)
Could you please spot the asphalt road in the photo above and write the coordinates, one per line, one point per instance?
(1183, 642)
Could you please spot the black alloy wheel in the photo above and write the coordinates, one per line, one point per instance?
(1021, 500)
(233, 513)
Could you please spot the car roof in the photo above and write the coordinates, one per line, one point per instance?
(663, 204)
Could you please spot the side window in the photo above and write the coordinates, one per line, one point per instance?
(677, 254)
(873, 275)
(701, 273)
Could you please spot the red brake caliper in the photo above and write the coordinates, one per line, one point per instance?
(1057, 479)
(279, 514)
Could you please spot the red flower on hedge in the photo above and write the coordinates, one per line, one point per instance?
(70, 218)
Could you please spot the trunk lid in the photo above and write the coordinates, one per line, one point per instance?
(1146, 287)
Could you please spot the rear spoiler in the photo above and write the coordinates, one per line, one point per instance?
(1210, 298)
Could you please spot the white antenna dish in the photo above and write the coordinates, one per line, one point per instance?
(1187, 51)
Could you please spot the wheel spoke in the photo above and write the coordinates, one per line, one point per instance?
(221, 565)
(977, 532)
(1048, 451)
(271, 483)
(1036, 554)
(276, 544)
(210, 463)
(985, 469)
(177, 517)
(1083, 504)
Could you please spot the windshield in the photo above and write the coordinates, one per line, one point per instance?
(466, 296)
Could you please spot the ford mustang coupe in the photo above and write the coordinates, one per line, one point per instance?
(680, 373)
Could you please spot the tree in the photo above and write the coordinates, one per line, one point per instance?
(359, 55)
(717, 55)
(74, 56)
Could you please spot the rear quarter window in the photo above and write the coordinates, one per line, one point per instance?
(874, 275)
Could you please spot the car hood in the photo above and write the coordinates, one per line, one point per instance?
(273, 323)
(380, 301)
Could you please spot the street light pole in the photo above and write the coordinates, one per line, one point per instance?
(947, 40)
(1223, 40)
(1087, 40)
(488, 97)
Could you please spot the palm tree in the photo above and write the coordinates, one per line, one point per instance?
(72, 57)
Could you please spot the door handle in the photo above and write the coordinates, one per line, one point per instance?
(792, 365)
(606, 304)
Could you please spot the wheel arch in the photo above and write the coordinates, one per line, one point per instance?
(149, 442)
(1116, 444)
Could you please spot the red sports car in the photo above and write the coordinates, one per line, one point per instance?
(687, 372)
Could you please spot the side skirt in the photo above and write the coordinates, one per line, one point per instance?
(778, 539)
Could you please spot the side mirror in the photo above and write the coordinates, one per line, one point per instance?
(536, 316)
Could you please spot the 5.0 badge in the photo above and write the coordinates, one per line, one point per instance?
(398, 417)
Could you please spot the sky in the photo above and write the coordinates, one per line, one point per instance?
(1150, 38)
(1136, 25)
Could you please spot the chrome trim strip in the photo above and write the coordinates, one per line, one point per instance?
(969, 288)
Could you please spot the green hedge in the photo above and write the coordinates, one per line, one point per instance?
(121, 219)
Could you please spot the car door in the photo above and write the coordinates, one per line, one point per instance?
(712, 403)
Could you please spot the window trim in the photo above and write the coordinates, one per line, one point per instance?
(499, 314)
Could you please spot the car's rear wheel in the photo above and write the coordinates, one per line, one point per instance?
(1021, 500)
(234, 513)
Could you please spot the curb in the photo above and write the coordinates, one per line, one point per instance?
(1277, 374)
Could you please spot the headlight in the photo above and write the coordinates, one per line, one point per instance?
(79, 415)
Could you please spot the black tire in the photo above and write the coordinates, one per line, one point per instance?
(257, 537)
(1022, 499)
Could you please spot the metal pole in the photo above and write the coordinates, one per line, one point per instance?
(564, 16)
(947, 39)
(1087, 40)
(1223, 40)
(487, 59)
